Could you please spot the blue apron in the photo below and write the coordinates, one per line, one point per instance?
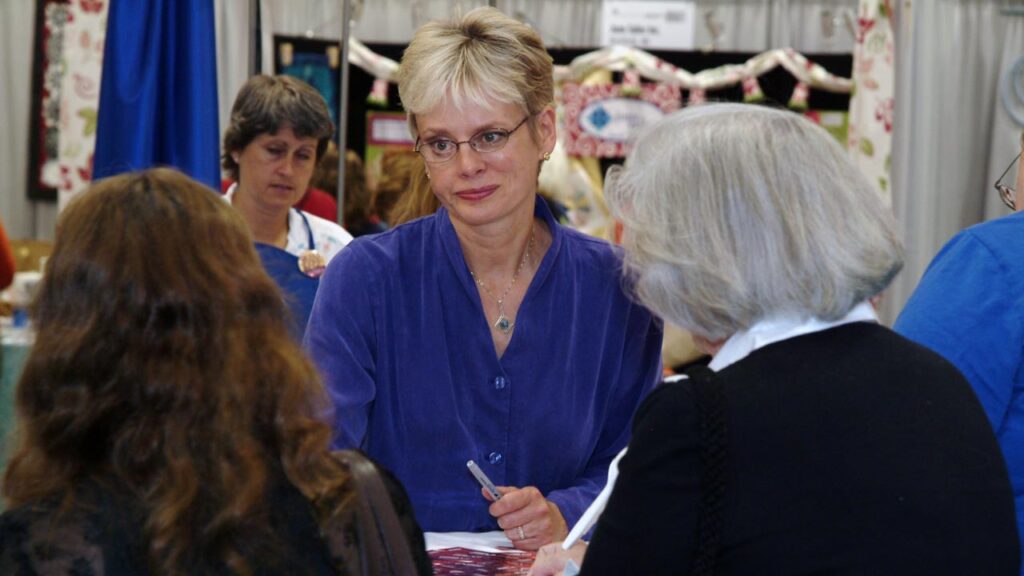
(299, 289)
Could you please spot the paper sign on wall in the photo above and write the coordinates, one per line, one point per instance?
(650, 24)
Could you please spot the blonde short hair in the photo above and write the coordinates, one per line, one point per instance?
(484, 55)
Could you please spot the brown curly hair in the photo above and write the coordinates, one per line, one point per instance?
(163, 361)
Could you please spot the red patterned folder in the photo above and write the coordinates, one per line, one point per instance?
(466, 562)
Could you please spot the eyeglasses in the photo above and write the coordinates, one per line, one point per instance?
(439, 150)
(1006, 194)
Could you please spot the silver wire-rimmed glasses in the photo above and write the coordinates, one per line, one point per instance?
(1006, 193)
(439, 150)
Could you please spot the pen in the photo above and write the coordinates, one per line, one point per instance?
(483, 480)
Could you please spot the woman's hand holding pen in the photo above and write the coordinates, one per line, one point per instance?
(528, 519)
(552, 559)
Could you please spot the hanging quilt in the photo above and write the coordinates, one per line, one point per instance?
(84, 34)
(602, 119)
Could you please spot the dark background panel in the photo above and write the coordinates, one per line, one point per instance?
(777, 84)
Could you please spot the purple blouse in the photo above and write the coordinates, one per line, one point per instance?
(399, 335)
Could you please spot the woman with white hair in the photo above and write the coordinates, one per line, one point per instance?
(485, 331)
(817, 441)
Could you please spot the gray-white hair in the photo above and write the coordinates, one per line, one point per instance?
(733, 213)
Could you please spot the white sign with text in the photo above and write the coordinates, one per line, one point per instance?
(649, 24)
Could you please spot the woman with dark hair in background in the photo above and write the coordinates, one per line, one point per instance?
(279, 130)
(167, 423)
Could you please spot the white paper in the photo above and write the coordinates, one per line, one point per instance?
(495, 541)
(593, 512)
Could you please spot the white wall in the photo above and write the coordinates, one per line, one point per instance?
(21, 218)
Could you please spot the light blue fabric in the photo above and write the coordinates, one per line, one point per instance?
(158, 95)
(400, 337)
(12, 360)
(969, 307)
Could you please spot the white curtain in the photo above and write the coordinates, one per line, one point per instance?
(231, 19)
(742, 25)
(951, 136)
(21, 218)
(809, 26)
(373, 20)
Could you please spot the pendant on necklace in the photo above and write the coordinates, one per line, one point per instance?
(504, 324)
(312, 264)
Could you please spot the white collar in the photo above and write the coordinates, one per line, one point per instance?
(771, 330)
(293, 213)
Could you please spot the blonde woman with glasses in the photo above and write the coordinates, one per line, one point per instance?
(485, 331)
(969, 307)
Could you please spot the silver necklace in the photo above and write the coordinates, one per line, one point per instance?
(503, 323)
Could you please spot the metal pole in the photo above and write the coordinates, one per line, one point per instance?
(254, 38)
(346, 17)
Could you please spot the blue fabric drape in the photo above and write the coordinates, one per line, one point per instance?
(158, 97)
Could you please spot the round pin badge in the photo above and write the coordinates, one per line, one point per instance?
(312, 264)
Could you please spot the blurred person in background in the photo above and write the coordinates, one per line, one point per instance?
(969, 307)
(7, 268)
(359, 217)
(403, 191)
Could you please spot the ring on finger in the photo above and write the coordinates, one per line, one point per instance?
(522, 534)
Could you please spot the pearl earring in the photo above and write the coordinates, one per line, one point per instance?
(547, 156)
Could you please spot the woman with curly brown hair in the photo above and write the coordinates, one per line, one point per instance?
(167, 423)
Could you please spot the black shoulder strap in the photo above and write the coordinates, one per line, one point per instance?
(710, 403)
(383, 545)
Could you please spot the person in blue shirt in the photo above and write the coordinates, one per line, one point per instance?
(969, 308)
(486, 331)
